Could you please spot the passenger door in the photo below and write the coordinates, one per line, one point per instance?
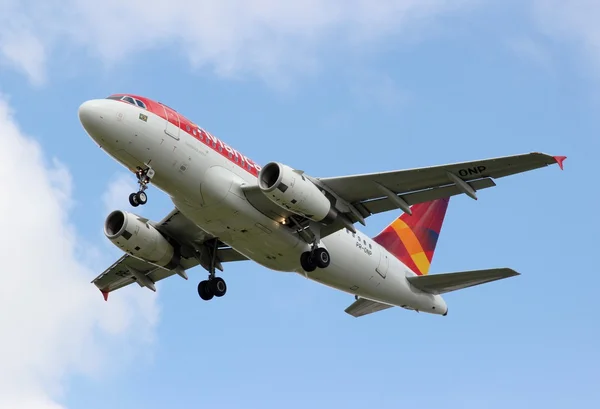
(172, 123)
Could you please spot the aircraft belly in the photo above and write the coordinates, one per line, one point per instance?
(254, 235)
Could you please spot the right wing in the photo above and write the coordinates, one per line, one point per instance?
(444, 283)
(196, 249)
(363, 306)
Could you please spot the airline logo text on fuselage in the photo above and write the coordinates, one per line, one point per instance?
(477, 170)
(232, 153)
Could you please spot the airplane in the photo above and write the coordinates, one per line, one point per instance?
(228, 208)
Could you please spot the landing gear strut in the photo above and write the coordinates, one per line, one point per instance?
(214, 286)
(144, 176)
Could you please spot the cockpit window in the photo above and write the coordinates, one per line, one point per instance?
(127, 98)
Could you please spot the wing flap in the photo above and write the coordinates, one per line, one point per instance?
(385, 204)
(363, 306)
(444, 283)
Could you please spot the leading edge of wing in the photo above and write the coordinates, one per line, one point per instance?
(544, 160)
(360, 187)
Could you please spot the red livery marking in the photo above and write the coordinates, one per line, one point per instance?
(197, 133)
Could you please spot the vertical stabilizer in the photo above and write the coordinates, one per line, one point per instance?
(412, 239)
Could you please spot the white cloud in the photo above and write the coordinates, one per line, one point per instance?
(54, 322)
(573, 22)
(268, 38)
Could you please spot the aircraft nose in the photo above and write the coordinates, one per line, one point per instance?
(94, 116)
(88, 114)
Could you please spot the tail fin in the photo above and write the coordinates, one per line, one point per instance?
(412, 239)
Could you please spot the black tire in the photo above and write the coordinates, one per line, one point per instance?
(322, 258)
(307, 262)
(205, 290)
(218, 287)
(133, 200)
(141, 198)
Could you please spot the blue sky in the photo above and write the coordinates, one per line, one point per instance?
(331, 88)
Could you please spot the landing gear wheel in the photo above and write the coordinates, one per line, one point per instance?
(133, 200)
(321, 257)
(205, 290)
(307, 262)
(143, 176)
(141, 198)
(218, 286)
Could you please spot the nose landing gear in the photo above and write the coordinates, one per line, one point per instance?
(143, 176)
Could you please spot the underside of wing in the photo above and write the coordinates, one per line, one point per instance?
(359, 188)
(444, 283)
(194, 246)
(363, 306)
(354, 198)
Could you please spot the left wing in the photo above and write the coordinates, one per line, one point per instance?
(357, 197)
(196, 247)
(376, 192)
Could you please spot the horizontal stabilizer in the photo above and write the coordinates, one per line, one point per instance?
(362, 306)
(444, 283)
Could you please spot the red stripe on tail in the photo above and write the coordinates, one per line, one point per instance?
(412, 239)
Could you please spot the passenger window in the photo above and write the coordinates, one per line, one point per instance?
(128, 99)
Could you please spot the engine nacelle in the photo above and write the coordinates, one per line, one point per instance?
(291, 190)
(137, 237)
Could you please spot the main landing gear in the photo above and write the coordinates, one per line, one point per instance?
(214, 286)
(317, 257)
(144, 176)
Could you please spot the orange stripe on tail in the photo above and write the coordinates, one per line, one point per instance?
(412, 239)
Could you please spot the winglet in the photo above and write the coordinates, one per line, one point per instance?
(560, 160)
(105, 295)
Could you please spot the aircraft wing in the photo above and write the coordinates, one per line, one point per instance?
(379, 192)
(363, 306)
(196, 246)
(359, 196)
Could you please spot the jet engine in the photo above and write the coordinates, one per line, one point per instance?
(291, 190)
(134, 235)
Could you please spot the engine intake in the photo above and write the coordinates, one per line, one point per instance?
(291, 190)
(136, 236)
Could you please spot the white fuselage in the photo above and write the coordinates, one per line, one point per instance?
(207, 188)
